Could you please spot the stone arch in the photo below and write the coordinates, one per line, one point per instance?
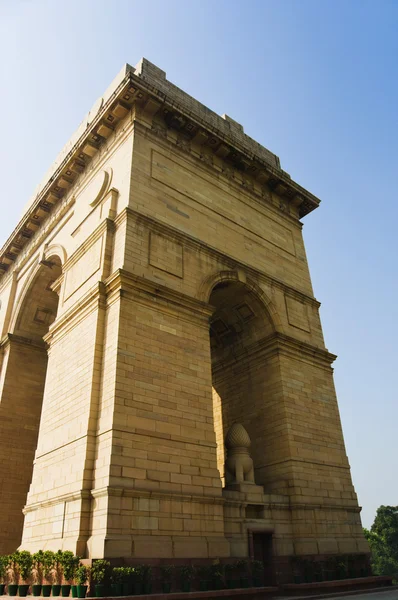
(23, 379)
(55, 250)
(210, 283)
(53, 256)
(244, 373)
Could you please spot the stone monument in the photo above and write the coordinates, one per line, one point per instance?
(155, 292)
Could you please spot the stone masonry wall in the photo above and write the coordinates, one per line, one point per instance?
(126, 464)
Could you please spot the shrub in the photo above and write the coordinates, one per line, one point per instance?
(242, 564)
(13, 567)
(233, 567)
(3, 567)
(69, 563)
(167, 572)
(38, 566)
(131, 573)
(99, 570)
(139, 573)
(57, 567)
(217, 572)
(25, 564)
(117, 574)
(146, 573)
(187, 572)
(204, 572)
(48, 563)
(82, 574)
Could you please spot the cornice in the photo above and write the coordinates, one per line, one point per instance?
(159, 495)
(24, 253)
(145, 291)
(258, 192)
(12, 338)
(222, 134)
(309, 506)
(287, 505)
(92, 300)
(233, 264)
(79, 495)
(274, 345)
(146, 89)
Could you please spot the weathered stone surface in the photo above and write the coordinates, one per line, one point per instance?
(161, 219)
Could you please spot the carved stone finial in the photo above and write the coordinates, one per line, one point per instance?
(239, 464)
(237, 437)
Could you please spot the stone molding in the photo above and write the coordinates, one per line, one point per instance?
(139, 92)
(80, 495)
(259, 194)
(125, 284)
(142, 290)
(154, 494)
(274, 345)
(54, 250)
(136, 493)
(33, 241)
(352, 509)
(10, 338)
(93, 300)
(242, 501)
(234, 265)
(163, 436)
(220, 135)
(56, 210)
(292, 459)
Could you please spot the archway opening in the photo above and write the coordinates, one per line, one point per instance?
(238, 329)
(22, 382)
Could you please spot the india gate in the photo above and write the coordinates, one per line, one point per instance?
(165, 389)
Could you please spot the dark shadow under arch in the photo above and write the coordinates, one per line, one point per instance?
(23, 376)
(238, 327)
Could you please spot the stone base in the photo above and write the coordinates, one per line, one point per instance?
(253, 492)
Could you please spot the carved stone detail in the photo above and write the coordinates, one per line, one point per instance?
(239, 464)
(160, 131)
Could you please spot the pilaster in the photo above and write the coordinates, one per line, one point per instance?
(57, 514)
(163, 494)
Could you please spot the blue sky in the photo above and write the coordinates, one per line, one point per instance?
(315, 81)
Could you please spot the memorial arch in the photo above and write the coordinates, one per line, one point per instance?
(158, 323)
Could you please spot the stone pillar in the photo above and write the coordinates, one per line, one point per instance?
(325, 512)
(163, 497)
(22, 379)
(59, 500)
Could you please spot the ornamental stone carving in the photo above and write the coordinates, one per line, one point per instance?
(239, 464)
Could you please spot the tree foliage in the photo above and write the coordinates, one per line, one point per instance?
(383, 541)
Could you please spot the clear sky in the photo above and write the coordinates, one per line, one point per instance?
(315, 81)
